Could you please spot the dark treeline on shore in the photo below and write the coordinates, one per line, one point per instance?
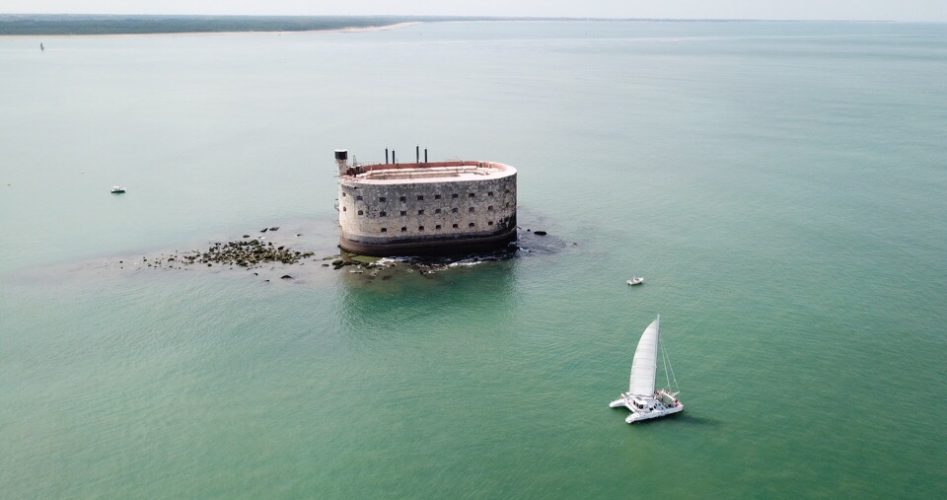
(61, 24)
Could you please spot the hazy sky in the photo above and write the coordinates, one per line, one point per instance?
(895, 10)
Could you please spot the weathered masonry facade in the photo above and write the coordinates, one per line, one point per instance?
(426, 208)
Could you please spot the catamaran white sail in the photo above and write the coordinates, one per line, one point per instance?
(641, 398)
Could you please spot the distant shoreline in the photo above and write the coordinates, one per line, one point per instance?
(327, 31)
(385, 27)
(96, 24)
(91, 25)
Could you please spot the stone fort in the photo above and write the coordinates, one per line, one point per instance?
(422, 208)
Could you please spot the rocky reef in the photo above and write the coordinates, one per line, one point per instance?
(256, 253)
(248, 254)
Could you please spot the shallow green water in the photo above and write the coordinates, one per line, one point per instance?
(782, 186)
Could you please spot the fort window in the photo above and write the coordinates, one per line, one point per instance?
(507, 191)
(361, 212)
(345, 209)
(382, 199)
(420, 197)
(404, 212)
(404, 198)
(384, 229)
(452, 196)
(437, 196)
(358, 198)
(490, 208)
(490, 193)
(471, 209)
(383, 214)
(471, 195)
(420, 212)
(471, 224)
(453, 210)
(455, 226)
(437, 227)
(343, 194)
(403, 229)
(437, 210)
(490, 223)
(420, 228)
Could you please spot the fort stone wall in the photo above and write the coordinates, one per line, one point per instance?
(443, 213)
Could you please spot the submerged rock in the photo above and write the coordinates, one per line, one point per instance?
(286, 277)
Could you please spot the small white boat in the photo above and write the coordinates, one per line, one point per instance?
(635, 280)
(642, 399)
(117, 190)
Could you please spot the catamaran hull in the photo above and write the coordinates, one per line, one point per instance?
(638, 416)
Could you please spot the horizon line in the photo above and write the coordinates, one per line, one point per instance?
(485, 17)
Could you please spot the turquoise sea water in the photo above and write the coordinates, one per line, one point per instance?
(782, 187)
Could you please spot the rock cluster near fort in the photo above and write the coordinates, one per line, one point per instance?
(272, 260)
(248, 254)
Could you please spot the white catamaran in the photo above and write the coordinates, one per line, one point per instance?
(641, 398)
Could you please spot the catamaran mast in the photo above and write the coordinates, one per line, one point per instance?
(664, 357)
(669, 369)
